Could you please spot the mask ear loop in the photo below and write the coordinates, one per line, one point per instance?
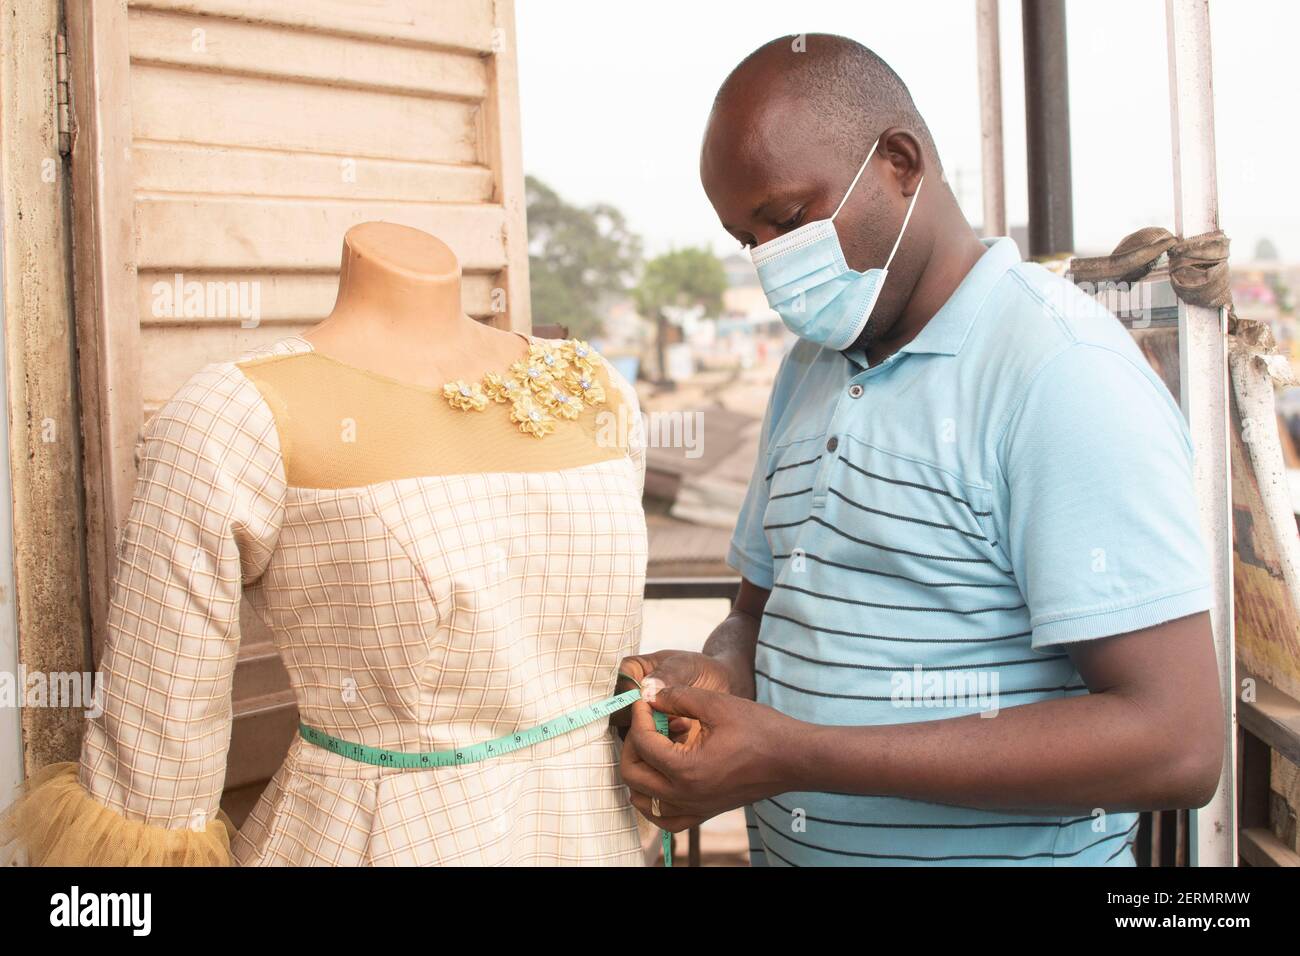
(861, 169)
(903, 229)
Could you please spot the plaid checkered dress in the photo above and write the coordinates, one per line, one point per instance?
(432, 578)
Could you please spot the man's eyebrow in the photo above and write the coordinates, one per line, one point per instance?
(787, 194)
(757, 211)
(753, 214)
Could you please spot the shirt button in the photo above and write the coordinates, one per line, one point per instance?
(855, 391)
(832, 444)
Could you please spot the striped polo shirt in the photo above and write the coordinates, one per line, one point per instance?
(938, 529)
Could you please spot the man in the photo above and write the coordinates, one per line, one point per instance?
(972, 627)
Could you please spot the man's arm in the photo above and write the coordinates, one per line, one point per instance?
(734, 641)
(1148, 736)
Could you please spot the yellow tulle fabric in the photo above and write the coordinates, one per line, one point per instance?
(57, 823)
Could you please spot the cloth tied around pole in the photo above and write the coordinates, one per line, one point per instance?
(1198, 266)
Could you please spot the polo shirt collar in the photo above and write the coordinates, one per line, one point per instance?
(948, 328)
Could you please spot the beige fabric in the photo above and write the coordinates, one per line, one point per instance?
(412, 614)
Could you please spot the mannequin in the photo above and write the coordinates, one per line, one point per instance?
(425, 514)
(398, 311)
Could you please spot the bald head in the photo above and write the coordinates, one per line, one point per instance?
(849, 91)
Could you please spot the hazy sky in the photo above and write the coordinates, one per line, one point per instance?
(614, 94)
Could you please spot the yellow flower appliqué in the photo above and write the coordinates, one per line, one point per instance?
(532, 374)
(581, 354)
(584, 385)
(465, 396)
(552, 383)
(532, 418)
(501, 389)
(563, 404)
(553, 361)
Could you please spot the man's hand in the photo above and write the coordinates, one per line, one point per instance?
(685, 668)
(731, 753)
(680, 669)
(727, 664)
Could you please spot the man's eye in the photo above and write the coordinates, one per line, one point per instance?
(792, 222)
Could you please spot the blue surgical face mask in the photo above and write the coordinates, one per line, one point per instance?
(810, 285)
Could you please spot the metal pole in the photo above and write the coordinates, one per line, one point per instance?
(990, 80)
(1047, 129)
(1203, 372)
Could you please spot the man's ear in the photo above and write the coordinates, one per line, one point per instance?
(903, 149)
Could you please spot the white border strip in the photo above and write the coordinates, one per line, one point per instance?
(11, 736)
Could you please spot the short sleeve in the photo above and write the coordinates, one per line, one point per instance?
(204, 518)
(750, 553)
(1102, 527)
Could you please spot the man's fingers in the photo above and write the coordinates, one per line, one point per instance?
(679, 728)
(668, 667)
(641, 778)
(690, 702)
(632, 672)
(652, 747)
(639, 775)
(637, 667)
(641, 666)
(672, 820)
(646, 805)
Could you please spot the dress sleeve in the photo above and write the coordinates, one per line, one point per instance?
(204, 518)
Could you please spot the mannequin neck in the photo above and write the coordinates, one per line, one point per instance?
(398, 282)
(398, 311)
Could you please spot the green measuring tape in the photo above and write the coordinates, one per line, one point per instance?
(475, 753)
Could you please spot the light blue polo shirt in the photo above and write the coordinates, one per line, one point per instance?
(937, 529)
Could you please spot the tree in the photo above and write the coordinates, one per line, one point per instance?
(683, 278)
(577, 258)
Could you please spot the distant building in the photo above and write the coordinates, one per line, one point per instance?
(1265, 291)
